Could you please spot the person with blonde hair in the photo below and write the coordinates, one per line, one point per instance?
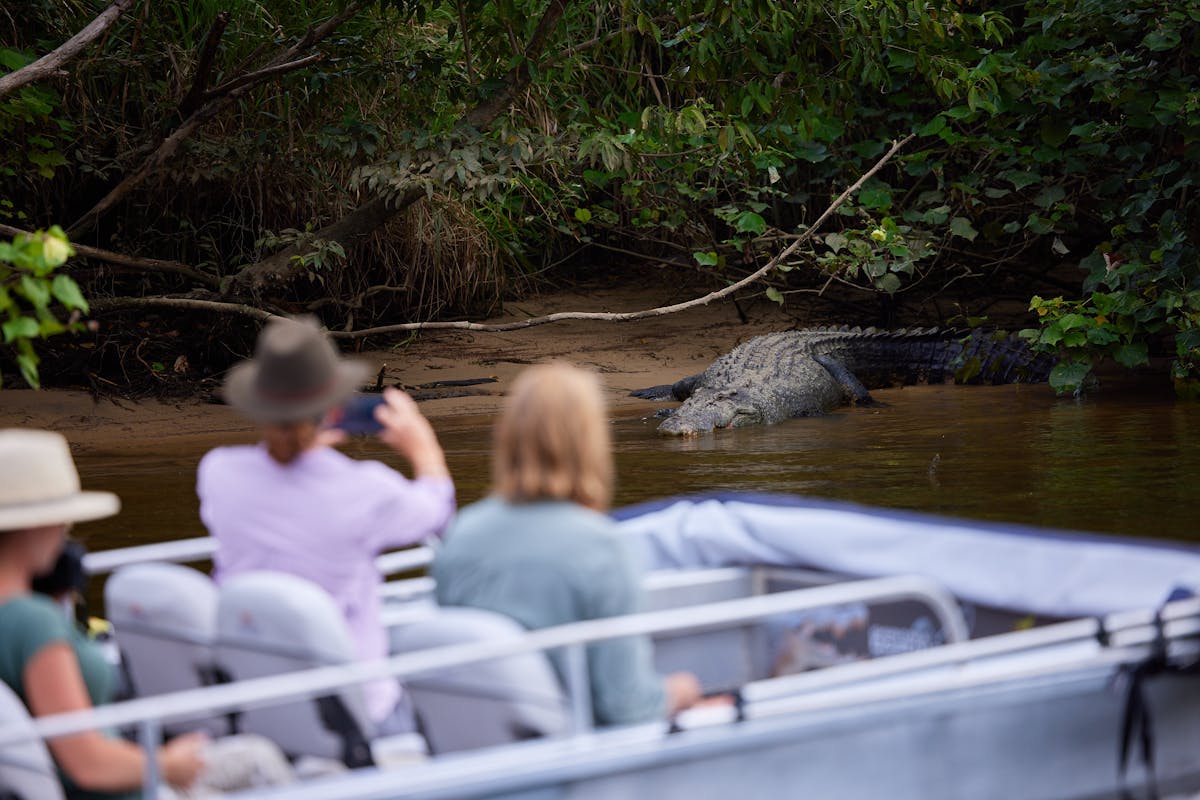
(541, 550)
(294, 504)
(47, 661)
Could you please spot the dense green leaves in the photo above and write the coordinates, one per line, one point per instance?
(27, 291)
(697, 131)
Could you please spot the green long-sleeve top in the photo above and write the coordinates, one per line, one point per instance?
(550, 563)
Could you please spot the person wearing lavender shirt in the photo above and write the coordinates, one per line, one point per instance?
(294, 504)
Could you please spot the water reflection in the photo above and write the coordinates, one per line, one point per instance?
(1116, 463)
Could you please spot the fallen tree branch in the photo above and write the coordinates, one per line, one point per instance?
(261, 315)
(625, 316)
(131, 262)
(51, 63)
(182, 303)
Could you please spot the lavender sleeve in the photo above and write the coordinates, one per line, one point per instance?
(407, 512)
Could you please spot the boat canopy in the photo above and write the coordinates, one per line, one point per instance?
(1018, 568)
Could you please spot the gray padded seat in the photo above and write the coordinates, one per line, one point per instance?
(26, 769)
(487, 703)
(270, 623)
(165, 619)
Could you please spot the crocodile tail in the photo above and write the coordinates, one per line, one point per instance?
(932, 355)
(990, 356)
(886, 358)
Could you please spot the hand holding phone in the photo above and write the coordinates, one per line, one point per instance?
(358, 415)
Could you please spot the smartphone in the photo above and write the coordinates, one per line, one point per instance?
(358, 415)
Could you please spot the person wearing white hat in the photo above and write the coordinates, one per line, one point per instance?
(54, 668)
(294, 504)
(43, 657)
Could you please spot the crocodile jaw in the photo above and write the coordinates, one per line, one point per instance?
(697, 416)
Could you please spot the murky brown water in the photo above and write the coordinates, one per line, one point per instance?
(1119, 462)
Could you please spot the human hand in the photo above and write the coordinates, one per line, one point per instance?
(683, 691)
(182, 758)
(407, 432)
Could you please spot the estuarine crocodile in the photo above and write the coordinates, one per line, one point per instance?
(810, 372)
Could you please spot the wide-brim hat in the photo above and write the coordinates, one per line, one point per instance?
(296, 374)
(39, 484)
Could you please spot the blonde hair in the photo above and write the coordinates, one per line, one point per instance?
(551, 441)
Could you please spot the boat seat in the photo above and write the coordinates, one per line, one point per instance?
(165, 619)
(486, 703)
(270, 623)
(26, 769)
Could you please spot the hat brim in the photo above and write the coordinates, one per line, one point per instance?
(79, 507)
(241, 392)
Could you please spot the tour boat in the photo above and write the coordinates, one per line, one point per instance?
(865, 652)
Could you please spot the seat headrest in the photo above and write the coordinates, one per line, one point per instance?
(285, 613)
(162, 595)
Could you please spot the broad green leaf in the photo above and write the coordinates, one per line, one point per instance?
(28, 362)
(35, 290)
(749, 222)
(1161, 39)
(596, 178)
(889, 283)
(49, 326)
(1132, 355)
(1102, 336)
(13, 60)
(1049, 196)
(1068, 376)
(1019, 178)
(19, 328)
(67, 291)
(583, 215)
(876, 268)
(1038, 224)
(961, 226)
(932, 127)
(813, 152)
(876, 197)
(708, 259)
(774, 295)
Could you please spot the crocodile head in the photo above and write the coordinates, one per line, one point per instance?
(708, 409)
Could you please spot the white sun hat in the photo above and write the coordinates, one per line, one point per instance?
(39, 484)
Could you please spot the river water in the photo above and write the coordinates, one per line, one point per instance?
(1119, 462)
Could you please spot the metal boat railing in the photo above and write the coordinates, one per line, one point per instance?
(149, 714)
(1123, 630)
(202, 548)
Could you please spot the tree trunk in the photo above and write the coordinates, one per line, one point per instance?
(282, 267)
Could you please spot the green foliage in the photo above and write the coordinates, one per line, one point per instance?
(319, 255)
(886, 254)
(1122, 113)
(696, 131)
(30, 292)
(31, 119)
